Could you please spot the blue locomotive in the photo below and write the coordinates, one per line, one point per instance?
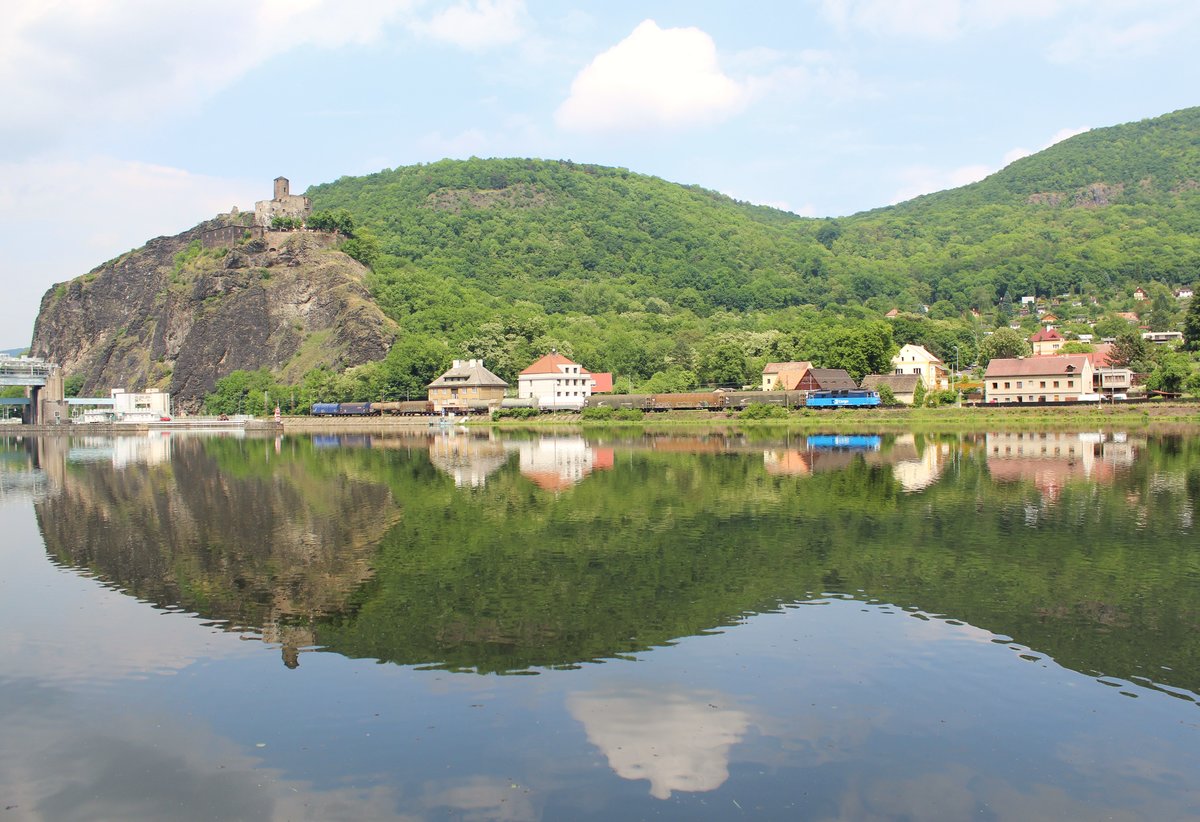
(849, 398)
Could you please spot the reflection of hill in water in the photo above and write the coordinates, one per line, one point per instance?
(671, 544)
(668, 543)
(264, 550)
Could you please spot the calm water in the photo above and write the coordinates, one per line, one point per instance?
(468, 626)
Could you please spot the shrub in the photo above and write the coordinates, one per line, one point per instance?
(628, 414)
(514, 413)
(887, 397)
(763, 411)
(598, 413)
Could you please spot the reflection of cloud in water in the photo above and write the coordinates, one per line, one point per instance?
(485, 798)
(679, 741)
(959, 792)
(60, 763)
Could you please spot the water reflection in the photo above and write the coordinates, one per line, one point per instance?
(678, 740)
(571, 549)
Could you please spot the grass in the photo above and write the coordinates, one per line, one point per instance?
(947, 418)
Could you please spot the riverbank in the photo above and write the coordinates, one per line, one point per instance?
(851, 420)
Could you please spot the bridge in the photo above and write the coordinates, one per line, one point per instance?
(44, 384)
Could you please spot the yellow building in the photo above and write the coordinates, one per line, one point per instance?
(914, 359)
(467, 386)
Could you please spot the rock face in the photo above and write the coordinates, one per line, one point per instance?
(176, 315)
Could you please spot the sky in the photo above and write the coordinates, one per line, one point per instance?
(129, 119)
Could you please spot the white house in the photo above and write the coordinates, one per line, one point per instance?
(914, 359)
(555, 382)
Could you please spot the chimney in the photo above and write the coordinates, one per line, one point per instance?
(457, 364)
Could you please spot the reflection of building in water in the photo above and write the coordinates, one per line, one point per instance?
(821, 453)
(469, 460)
(153, 449)
(557, 463)
(1050, 459)
(918, 468)
(678, 741)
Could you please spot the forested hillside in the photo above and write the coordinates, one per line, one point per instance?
(670, 285)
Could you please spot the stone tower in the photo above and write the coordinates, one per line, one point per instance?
(281, 187)
(283, 204)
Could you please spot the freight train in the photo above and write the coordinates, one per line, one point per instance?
(696, 401)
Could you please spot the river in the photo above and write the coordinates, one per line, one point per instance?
(630, 625)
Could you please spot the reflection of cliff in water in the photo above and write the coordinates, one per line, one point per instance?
(268, 549)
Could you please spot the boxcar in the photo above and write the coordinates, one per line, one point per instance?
(406, 408)
(744, 399)
(856, 398)
(668, 402)
(641, 401)
(355, 409)
(324, 409)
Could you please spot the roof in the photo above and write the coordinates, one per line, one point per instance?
(1100, 355)
(1046, 335)
(832, 379)
(899, 383)
(927, 353)
(777, 367)
(895, 312)
(468, 373)
(1036, 366)
(549, 364)
(602, 383)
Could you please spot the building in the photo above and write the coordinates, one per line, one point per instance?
(783, 375)
(914, 359)
(1184, 293)
(140, 406)
(467, 386)
(1064, 378)
(1140, 294)
(826, 379)
(1162, 337)
(904, 386)
(283, 204)
(556, 383)
(1046, 342)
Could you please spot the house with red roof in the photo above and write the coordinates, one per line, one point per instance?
(1046, 342)
(1064, 378)
(557, 383)
(784, 376)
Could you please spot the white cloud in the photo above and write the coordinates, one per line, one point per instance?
(69, 65)
(469, 143)
(477, 24)
(1014, 154)
(918, 180)
(653, 79)
(100, 207)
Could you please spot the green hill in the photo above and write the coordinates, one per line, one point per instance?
(671, 286)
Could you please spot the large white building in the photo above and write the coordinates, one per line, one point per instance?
(555, 382)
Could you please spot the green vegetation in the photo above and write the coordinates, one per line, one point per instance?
(762, 411)
(674, 287)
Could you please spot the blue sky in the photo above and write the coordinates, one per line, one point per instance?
(128, 119)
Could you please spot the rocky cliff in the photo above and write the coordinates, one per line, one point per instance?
(177, 315)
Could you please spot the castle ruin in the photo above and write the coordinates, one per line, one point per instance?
(284, 204)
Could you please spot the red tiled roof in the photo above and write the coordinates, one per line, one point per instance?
(548, 364)
(1046, 335)
(602, 383)
(1035, 366)
(1100, 355)
(777, 367)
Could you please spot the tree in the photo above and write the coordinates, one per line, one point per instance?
(1003, 343)
(1191, 326)
(1170, 373)
(1130, 351)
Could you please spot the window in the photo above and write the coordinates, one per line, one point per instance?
(1056, 383)
(1007, 385)
(995, 385)
(1070, 383)
(1020, 384)
(1043, 384)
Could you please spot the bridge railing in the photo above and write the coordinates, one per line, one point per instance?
(24, 368)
